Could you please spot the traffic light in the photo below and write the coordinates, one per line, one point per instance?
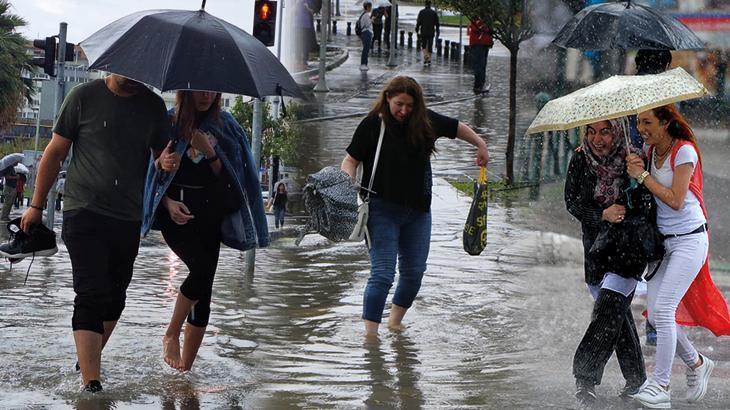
(70, 48)
(48, 61)
(264, 21)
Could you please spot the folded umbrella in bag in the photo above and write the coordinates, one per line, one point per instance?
(475, 229)
(330, 199)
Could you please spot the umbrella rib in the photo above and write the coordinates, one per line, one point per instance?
(178, 45)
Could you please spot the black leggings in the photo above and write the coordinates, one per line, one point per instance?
(102, 251)
(197, 244)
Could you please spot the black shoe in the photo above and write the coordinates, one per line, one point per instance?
(586, 393)
(629, 390)
(94, 386)
(41, 241)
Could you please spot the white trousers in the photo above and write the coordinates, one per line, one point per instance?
(684, 257)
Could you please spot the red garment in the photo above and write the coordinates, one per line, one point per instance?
(703, 304)
(479, 34)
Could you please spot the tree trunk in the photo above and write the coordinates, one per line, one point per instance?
(510, 154)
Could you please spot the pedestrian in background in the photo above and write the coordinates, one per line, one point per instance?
(377, 18)
(278, 202)
(9, 193)
(594, 183)
(365, 25)
(674, 177)
(400, 204)
(427, 26)
(20, 190)
(480, 41)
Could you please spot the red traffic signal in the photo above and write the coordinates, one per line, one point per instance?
(48, 61)
(264, 21)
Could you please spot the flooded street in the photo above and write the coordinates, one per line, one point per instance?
(290, 335)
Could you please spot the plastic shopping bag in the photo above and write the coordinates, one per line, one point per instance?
(475, 229)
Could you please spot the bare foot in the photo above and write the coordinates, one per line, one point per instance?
(171, 351)
(396, 328)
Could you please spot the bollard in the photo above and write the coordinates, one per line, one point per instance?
(402, 38)
(447, 47)
(467, 55)
(319, 26)
(454, 50)
(410, 39)
(334, 26)
(349, 28)
(438, 46)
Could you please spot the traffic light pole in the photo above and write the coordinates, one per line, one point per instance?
(323, 34)
(256, 127)
(393, 33)
(60, 94)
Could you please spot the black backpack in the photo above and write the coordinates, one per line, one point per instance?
(358, 27)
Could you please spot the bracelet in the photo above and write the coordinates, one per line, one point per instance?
(642, 177)
(212, 159)
(36, 207)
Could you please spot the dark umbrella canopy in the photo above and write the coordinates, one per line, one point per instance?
(625, 25)
(188, 50)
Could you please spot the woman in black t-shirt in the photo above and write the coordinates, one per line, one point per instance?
(400, 218)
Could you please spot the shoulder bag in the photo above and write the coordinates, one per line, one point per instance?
(360, 231)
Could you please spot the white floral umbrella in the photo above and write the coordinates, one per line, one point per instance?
(615, 97)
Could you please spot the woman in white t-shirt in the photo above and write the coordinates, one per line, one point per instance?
(675, 180)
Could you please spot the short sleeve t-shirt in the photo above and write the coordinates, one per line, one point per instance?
(112, 137)
(403, 174)
(690, 216)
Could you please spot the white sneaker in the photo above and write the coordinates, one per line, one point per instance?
(697, 380)
(364, 68)
(653, 396)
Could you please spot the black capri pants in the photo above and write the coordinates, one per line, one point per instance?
(197, 244)
(102, 251)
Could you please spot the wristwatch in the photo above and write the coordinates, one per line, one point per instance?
(642, 177)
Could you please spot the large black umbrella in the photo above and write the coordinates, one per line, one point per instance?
(625, 25)
(188, 50)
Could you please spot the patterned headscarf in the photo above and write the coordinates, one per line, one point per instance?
(611, 169)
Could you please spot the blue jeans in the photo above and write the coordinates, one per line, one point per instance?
(279, 216)
(396, 233)
(479, 54)
(367, 42)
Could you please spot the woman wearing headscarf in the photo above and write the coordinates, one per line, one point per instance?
(599, 194)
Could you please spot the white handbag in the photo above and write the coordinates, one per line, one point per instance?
(360, 231)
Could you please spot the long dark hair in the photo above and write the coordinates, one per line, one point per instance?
(420, 134)
(187, 118)
(678, 126)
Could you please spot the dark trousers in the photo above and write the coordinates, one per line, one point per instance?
(102, 251)
(479, 55)
(197, 244)
(377, 34)
(611, 329)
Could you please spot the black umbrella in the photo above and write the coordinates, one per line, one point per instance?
(188, 50)
(625, 25)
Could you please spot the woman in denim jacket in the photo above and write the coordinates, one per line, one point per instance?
(211, 195)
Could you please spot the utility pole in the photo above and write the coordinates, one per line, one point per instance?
(393, 33)
(34, 171)
(321, 86)
(256, 127)
(60, 94)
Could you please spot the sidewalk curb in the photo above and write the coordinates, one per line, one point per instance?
(302, 77)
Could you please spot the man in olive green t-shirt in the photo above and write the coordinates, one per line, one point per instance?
(112, 125)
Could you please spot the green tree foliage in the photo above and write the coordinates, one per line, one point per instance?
(507, 19)
(13, 60)
(278, 138)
